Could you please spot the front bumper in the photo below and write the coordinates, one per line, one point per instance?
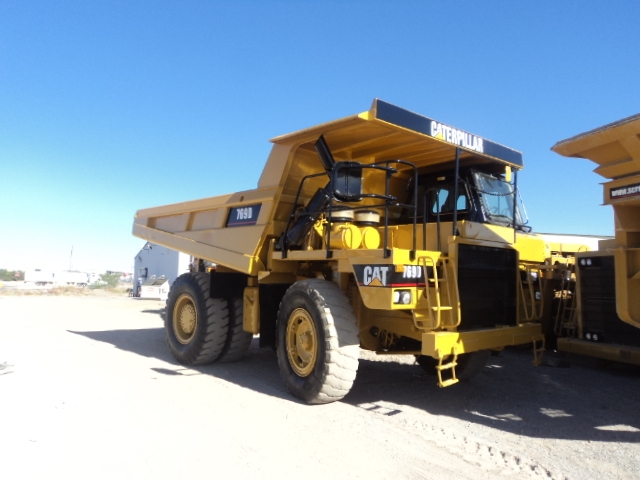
(606, 351)
(441, 344)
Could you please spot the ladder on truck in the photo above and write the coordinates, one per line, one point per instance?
(566, 322)
(531, 297)
(440, 301)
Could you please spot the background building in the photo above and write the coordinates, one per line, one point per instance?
(158, 261)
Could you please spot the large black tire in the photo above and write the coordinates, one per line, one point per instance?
(469, 364)
(427, 363)
(318, 345)
(195, 324)
(238, 341)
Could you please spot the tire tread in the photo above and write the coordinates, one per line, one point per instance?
(341, 343)
(238, 341)
(213, 319)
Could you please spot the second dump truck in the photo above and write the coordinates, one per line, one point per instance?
(386, 231)
(602, 316)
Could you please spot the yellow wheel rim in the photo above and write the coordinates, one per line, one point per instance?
(302, 342)
(185, 319)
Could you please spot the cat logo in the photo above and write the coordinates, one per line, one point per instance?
(375, 276)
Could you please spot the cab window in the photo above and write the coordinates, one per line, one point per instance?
(441, 200)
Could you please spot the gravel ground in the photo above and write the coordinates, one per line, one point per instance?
(89, 390)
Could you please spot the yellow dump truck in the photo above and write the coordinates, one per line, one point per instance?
(604, 320)
(386, 231)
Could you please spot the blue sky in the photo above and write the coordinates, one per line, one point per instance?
(108, 107)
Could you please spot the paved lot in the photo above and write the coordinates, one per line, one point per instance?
(93, 393)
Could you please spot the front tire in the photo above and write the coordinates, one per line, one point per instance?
(318, 345)
(196, 325)
(469, 364)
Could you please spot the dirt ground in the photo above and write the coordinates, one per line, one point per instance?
(88, 389)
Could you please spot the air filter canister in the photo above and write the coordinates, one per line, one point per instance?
(367, 218)
(342, 216)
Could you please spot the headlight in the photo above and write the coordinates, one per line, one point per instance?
(402, 297)
(405, 297)
(588, 261)
(588, 336)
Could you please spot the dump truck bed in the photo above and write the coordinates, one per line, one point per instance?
(615, 148)
(206, 228)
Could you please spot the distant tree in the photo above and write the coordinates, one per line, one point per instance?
(8, 275)
(110, 279)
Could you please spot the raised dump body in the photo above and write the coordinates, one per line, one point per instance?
(608, 280)
(385, 230)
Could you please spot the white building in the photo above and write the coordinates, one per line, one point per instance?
(157, 261)
(59, 277)
(569, 242)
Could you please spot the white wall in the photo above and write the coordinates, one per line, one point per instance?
(160, 261)
(590, 241)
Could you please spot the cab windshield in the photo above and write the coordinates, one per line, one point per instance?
(496, 198)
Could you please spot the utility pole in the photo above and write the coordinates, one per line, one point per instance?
(71, 258)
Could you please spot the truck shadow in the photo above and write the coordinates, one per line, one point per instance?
(258, 371)
(583, 402)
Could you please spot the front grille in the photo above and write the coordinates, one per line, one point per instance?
(487, 284)
(598, 298)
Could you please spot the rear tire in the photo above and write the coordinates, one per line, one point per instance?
(318, 345)
(238, 341)
(196, 325)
